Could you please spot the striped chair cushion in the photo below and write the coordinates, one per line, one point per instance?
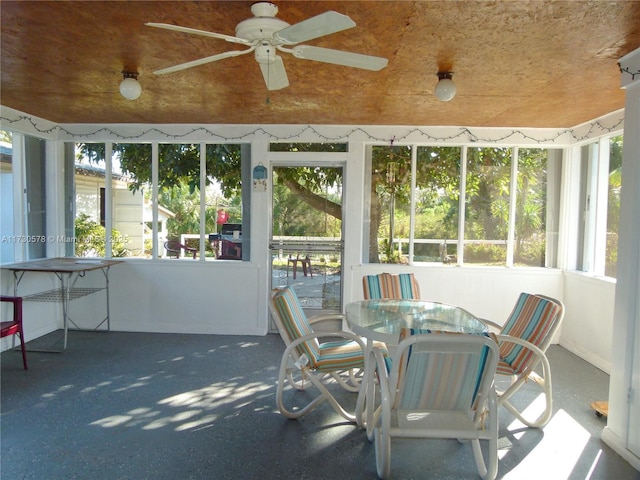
(532, 319)
(295, 322)
(340, 355)
(328, 356)
(388, 285)
(439, 381)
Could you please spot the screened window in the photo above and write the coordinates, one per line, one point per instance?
(487, 204)
(598, 223)
(180, 218)
(503, 213)
(437, 204)
(613, 205)
(536, 207)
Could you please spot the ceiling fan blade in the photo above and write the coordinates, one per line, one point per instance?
(202, 61)
(339, 57)
(194, 31)
(274, 74)
(324, 24)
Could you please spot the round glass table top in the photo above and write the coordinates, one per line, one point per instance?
(383, 319)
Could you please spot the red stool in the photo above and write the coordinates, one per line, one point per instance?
(14, 327)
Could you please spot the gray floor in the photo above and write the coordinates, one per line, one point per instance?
(153, 406)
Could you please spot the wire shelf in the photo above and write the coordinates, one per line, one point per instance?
(58, 295)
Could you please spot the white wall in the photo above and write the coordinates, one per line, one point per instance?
(588, 327)
(187, 296)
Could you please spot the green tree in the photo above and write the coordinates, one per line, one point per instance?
(613, 205)
(178, 163)
(90, 239)
(179, 177)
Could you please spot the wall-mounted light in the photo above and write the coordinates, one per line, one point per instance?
(129, 87)
(445, 89)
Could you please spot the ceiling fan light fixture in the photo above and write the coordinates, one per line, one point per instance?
(445, 89)
(130, 88)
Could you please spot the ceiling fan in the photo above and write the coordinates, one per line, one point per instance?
(265, 35)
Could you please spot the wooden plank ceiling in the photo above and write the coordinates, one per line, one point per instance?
(515, 63)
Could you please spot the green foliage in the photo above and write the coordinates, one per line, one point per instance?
(308, 147)
(309, 206)
(613, 205)
(178, 163)
(179, 181)
(488, 196)
(531, 253)
(485, 253)
(389, 254)
(611, 255)
(90, 238)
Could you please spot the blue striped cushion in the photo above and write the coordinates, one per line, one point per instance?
(295, 322)
(340, 355)
(532, 319)
(328, 356)
(388, 285)
(439, 381)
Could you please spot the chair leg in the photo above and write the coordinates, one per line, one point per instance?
(294, 264)
(24, 350)
(382, 441)
(488, 470)
(317, 381)
(543, 382)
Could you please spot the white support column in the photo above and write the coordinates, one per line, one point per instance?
(203, 201)
(623, 426)
(19, 196)
(155, 162)
(513, 198)
(108, 199)
(600, 205)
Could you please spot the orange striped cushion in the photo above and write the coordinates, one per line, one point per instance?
(532, 319)
(295, 322)
(328, 356)
(389, 285)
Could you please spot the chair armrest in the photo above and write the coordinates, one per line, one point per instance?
(377, 357)
(341, 334)
(521, 341)
(310, 336)
(491, 324)
(328, 322)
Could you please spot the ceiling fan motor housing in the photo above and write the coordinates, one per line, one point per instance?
(260, 28)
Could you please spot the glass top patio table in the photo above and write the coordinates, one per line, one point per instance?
(383, 319)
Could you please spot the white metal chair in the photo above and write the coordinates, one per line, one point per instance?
(523, 341)
(340, 360)
(439, 385)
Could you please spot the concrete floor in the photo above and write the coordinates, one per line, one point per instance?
(156, 406)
